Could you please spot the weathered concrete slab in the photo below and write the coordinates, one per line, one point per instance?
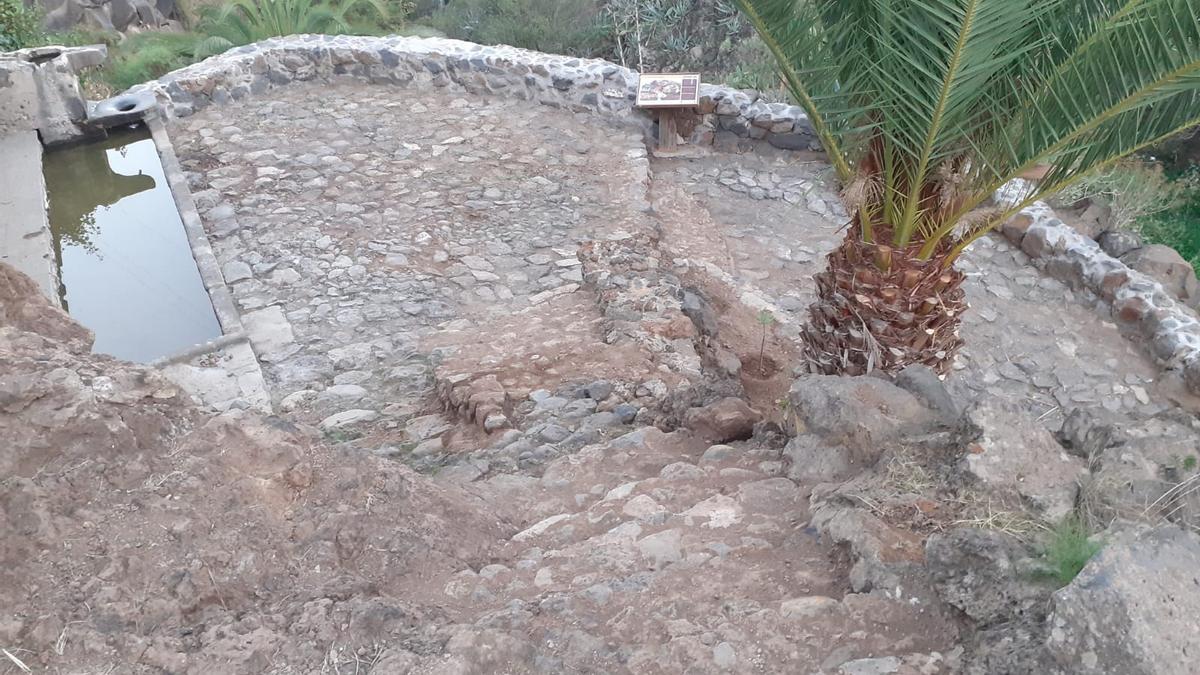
(25, 240)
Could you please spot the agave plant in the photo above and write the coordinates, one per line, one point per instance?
(245, 21)
(927, 107)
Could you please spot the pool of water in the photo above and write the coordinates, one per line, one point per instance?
(124, 260)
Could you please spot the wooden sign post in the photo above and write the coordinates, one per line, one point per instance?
(668, 94)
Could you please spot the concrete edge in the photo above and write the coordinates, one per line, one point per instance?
(206, 261)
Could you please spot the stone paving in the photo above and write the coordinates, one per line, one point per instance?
(352, 222)
(356, 226)
(1030, 339)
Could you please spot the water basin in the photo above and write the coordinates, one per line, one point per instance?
(124, 259)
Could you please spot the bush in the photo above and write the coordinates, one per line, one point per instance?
(246, 21)
(20, 26)
(146, 56)
(1179, 227)
(1134, 190)
(555, 26)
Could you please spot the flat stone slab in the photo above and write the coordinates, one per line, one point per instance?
(25, 239)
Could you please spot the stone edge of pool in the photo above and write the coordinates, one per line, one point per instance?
(244, 383)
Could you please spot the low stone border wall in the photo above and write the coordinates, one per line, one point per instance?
(1171, 330)
(561, 81)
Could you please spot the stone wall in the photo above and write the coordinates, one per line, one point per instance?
(1169, 330)
(560, 81)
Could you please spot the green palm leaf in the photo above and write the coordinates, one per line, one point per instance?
(936, 103)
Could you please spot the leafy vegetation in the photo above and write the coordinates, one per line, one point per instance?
(1163, 206)
(20, 26)
(927, 107)
(1178, 227)
(145, 56)
(1066, 550)
(562, 26)
(246, 21)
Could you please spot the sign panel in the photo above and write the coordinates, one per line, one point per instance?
(668, 90)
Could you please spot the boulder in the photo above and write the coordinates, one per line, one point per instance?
(107, 15)
(1134, 609)
(923, 383)
(1011, 454)
(729, 419)
(1119, 242)
(1135, 476)
(854, 418)
(1167, 267)
(986, 574)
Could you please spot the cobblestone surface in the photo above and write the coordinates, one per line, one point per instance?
(768, 221)
(352, 222)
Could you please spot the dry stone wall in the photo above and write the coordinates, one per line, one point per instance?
(1169, 329)
(560, 81)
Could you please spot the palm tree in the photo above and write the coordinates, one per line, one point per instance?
(926, 107)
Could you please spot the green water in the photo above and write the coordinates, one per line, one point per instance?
(126, 266)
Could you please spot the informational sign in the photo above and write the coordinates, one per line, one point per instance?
(668, 90)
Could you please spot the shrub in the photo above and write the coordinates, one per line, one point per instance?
(557, 26)
(245, 21)
(1179, 227)
(1067, 549)
(20, 26)
(1134, 190)
(145, 56)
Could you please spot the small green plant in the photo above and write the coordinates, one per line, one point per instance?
(1189, 463)
(342, 435)
(765, 319)
(20, 26)
(1067, 548)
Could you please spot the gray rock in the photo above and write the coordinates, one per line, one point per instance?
(599, 390)
(1119, 242)
(923, 383)
(626, 413)
(863, 415)
(1134, 609)
(662, 548)
(1084, 435)
(985, 573)
(883, 665)
(348, 418)
(553, 433)
(729, 419)
(1167, 267)
(702, 314)
(724, 656)
(1012, 454)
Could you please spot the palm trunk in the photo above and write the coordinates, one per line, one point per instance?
(879, 308)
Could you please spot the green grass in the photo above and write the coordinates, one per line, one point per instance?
(1066, 549)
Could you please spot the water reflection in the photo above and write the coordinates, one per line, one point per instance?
(126, 266)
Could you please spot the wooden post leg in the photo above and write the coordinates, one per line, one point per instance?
(667, 132)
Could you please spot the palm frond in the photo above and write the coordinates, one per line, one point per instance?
(944, 101)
